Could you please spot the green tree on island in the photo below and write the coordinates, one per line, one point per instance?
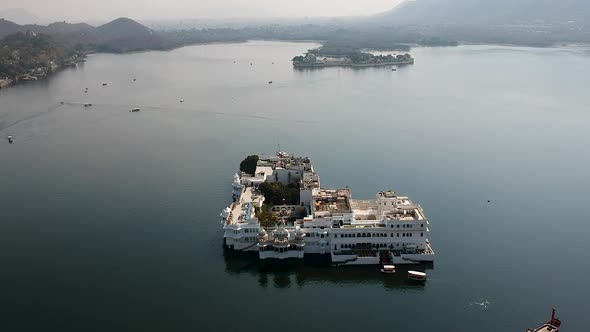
(266, 217)
(248, 165)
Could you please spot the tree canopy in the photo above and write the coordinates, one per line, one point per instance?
(248, 165)
(266, 217)
(277, 193)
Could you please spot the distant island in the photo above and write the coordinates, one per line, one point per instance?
(355, 59)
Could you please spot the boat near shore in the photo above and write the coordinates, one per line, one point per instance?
(416, 276)
(388, 269)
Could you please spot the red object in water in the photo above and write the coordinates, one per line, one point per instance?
(551, 326)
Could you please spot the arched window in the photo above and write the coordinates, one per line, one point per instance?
(421, 234)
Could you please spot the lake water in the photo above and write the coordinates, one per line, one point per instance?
(110, 219)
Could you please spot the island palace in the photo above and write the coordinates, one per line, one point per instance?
(390, 229)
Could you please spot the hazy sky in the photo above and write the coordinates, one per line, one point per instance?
(106, 9)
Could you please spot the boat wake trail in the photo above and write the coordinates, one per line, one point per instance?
(202, 111)
(56, 106)
(30, 117)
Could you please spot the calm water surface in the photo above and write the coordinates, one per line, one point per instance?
(109, 219)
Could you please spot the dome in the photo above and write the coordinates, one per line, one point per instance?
(299, 234)
(262, 232)
(281, 233)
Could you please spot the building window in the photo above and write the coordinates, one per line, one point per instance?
(398, 226)
(421, 234)
(335, 235)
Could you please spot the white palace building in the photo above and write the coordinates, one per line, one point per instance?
(388, 230)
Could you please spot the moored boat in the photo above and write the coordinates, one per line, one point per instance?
(10, 139)
(416, 275)
(551, 326)
(135, 110)
(388, 269)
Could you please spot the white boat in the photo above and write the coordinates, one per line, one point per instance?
(388, 269)
(416, 275)
(10, 139)
(135, 110)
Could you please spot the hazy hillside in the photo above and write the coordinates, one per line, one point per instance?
(30, 53)
(487, 12)
(124, 34)
(120, 35)
(8, 28)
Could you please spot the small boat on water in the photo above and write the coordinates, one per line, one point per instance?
(416, 275)
(182, 100)
(104, 84)
(269, 82)
(388, 269)
(393, 69)
(10, 139)
(87, 104)
(551, 326)
(137, 109)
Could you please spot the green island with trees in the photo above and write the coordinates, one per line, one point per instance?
(314, 58)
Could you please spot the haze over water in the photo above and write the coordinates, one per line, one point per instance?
(109, 220)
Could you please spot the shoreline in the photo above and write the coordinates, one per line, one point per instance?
(7, 82)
